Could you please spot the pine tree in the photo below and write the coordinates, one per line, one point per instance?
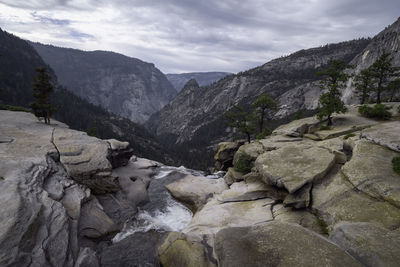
(363, 83)
(241, 120)
(393, 87)
(42, 88)
(264, 105)
(334, 80)
(382, 70)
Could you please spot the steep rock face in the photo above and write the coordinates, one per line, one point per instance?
(203, 78)
(195, 108)
(17, 68)
(387, 41)
(125, 86)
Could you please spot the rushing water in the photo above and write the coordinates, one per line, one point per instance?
(162, 213)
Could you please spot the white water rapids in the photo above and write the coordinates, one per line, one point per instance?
(163, 213)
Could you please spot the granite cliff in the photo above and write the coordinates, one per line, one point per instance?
(122, 85)
(203, 78)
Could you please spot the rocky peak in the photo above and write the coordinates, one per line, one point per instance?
(191, 84)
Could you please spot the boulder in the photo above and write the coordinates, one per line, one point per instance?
(277, 244)
(94, 222)
(86, 159)
(368, 243)
(301, 217)
(235, 175)
(250, 150)
(120, 154)
(296, 128)
(224, 155)
(299, 199)
(182, 250)
(195, 191)
(87, 258)
(215, 215)
(384, 134)
(294, 166)
(370, 170)
(245, 192)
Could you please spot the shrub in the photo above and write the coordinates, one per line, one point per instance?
(14, 108)
(379, 111)
(396, 165)
(260, 136)
(347, 136)
(324, 128)
(244, 163)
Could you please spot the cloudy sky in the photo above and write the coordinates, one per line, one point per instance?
(197, 35)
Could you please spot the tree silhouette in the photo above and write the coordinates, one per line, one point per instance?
(42, 89)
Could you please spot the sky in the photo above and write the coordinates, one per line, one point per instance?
(197, 35)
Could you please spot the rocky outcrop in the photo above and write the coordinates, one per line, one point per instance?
(278, 244)
(370, 244)
(330, 201)
(225, 153)
(122, 85)
(50, 176)
(195, 191)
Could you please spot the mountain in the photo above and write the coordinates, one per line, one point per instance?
(387, 41)
(122, 85)
(194, 120)
(203, 78)
(17, 70)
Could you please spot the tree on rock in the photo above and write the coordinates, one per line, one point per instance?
(363, 83)
(264, 106)
(394, 87)
(382, 70)
(42, 89)
(334, 80)
(241, 120)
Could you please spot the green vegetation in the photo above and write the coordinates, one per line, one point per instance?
(363, 85)
(396, 165)
(42, 89)
(324, 128)
(393, 87)
(323, 226)
(241, 120)
(14, 108)
(379, 111)
(334, 80)
(347, 136)
(244, 163)
(382, 71)
(264, 107)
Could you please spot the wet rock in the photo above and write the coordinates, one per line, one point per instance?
(370, 244)
(277, 244)
(195, 191)
(94, 222)
(294, 166)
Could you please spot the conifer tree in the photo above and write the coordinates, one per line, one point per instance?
(42, 88)
(382, 70)
(334, 80)
(264, 105)
(241, 120)
(363, 83)
(394, 87)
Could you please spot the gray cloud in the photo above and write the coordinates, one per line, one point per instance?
(192, 35)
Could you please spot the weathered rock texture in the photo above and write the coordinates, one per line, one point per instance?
(48, 174)
(125, 86)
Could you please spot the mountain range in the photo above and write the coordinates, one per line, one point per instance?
(203, 78)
